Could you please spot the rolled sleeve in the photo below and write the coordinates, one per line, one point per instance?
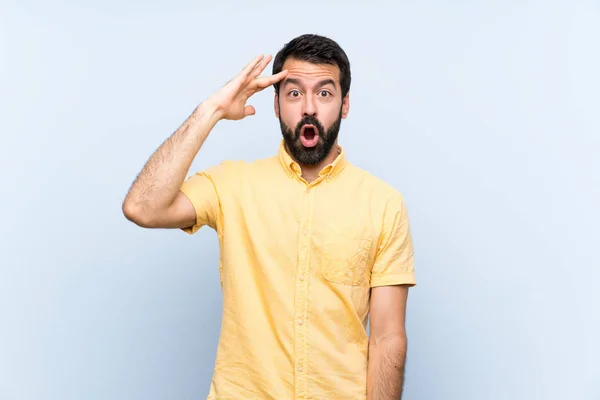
(204, 190)
(394, 261)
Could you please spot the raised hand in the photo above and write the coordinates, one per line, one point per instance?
(230, 100)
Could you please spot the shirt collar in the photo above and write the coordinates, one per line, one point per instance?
(292, 168)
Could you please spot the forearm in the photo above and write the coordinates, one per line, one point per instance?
(158, 183)
(385, 372)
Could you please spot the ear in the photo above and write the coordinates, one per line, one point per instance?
(346, 105)
(276, 105)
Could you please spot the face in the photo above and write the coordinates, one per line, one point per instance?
(310, 108)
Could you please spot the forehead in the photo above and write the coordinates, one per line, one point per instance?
(311, 72)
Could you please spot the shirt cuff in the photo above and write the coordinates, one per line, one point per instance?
(407, 278)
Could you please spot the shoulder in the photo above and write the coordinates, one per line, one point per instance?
(262, 165)
(234, 170)
(387, 204)
(380, 190)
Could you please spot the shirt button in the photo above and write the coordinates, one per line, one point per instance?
(300, 322)
(300, 368)
(302, 277)
(305, 231)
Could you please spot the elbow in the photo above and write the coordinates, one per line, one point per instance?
(135, 214)
(396, 339)
(130, 211)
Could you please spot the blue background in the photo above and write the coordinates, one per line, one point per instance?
(485, 115)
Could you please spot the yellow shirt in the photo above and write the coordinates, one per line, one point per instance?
(296, 267)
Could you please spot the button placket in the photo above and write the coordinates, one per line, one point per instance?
(301, 297)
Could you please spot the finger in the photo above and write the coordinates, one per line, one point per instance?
(260, 67)
(270, 80)
(250, 66)
(249, 110)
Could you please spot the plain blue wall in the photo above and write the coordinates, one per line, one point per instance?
(485, 115)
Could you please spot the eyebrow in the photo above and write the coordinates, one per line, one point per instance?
(294, 81)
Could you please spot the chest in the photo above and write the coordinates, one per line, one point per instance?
(333, 227)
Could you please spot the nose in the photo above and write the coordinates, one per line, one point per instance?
(309, 107)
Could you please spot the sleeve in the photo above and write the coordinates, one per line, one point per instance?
(394, 260)
(204, 190)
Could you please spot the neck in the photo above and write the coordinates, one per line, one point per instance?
(311, 172)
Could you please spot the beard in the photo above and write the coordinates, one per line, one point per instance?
(310, 155)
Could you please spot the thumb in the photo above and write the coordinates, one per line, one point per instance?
(249, 110)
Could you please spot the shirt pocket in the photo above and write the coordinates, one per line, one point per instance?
(345, 255)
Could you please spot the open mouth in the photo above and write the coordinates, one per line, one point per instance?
(309, 136)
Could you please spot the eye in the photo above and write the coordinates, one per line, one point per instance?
(294, 93)
(324, 93)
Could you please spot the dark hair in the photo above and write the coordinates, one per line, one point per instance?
(315, 49)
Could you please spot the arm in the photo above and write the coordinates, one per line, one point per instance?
(155, 199)
(387, 343)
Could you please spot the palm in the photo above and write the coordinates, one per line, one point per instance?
(231, 99)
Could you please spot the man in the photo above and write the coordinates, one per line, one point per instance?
(310, 244)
